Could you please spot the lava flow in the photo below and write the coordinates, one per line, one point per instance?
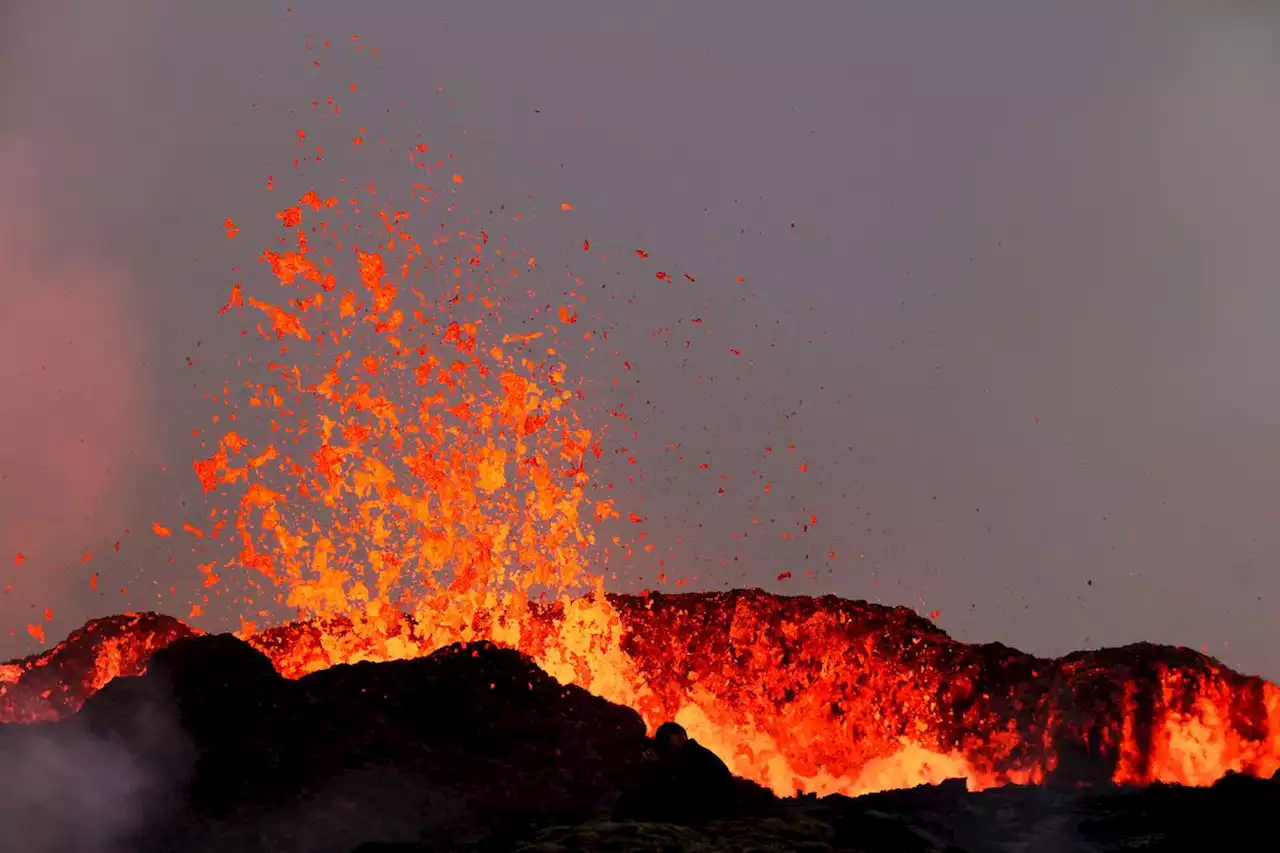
(409, 472)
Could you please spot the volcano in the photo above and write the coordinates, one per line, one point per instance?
(820, 695)
(411, 456)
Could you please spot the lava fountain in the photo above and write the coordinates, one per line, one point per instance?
(409, 469)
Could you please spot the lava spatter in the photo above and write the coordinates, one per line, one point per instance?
(420, 457)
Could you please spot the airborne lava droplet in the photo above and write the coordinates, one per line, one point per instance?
(235, 300)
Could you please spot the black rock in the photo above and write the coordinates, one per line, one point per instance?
(465, 743)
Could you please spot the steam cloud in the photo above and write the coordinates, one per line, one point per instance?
(68, 793)
(69, 359)
(72, 787)
(75, 395)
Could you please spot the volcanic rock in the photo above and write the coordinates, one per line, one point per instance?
(472, 740)
(831, 671)
(56, 682)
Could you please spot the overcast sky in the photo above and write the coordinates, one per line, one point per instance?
(1009, 283)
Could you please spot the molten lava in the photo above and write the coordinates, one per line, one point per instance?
(408, 470)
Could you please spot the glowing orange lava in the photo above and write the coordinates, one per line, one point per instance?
(419, 457)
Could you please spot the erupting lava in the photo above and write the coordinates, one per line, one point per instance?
(410, 472)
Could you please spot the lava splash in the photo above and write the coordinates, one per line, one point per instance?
(821, 695)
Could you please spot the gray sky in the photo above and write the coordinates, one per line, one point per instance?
(1002, 212)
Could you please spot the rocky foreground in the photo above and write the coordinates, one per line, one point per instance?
(475, 748)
